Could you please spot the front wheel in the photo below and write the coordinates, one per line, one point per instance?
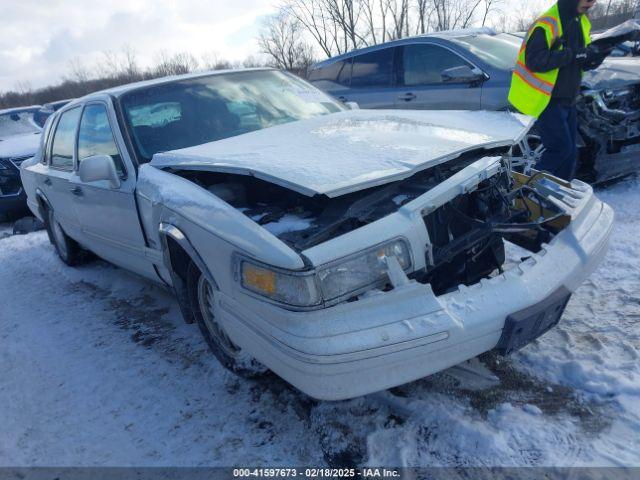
(203, 298)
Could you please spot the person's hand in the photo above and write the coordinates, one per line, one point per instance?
(581, 55)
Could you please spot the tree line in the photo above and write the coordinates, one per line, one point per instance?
(302, 32)
(118, 68)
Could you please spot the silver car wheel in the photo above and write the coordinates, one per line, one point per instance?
(58, 235)
(527, 153)
(206, 301)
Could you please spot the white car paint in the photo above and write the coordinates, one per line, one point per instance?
(340, 351)
(351, 150)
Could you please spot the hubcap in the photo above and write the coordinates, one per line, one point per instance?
(58, 236)
(206, 300)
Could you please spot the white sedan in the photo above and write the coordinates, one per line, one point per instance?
(348, 251)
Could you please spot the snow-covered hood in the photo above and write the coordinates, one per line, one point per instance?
(614, 73)
(19, 145)
(351, 150)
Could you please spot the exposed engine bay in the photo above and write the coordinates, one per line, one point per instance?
(467, 234)
(609, 124)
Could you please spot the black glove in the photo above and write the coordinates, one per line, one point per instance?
(581, 56)
(593, 54)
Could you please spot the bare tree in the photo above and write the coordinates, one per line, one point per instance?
(174, 64)
(281, 40)
(212, 61)
(78, 70)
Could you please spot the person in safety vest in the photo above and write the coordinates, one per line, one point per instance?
(547, 77)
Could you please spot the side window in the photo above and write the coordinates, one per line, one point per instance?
(64, 140)
(338, 72)
(424, 64)
(95, 136)
(373, 69)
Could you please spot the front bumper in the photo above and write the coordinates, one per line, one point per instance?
(387, 339)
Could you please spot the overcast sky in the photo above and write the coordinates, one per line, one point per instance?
(40, 38)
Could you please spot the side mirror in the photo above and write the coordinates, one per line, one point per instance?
(462, 74)
(352, 105)
(99, 167)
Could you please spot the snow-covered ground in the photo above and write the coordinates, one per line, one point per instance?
(98, 368)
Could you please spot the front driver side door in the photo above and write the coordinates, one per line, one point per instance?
(108, 216)
(421, 84)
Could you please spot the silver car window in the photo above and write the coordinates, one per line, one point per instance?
(423, 64)
(64, 140)
(95, 136)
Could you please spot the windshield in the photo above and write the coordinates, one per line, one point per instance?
(500, 51)
(199, 110)
(17, 123)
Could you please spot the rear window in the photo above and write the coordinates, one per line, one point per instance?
(373, 69)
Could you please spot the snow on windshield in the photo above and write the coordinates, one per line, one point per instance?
(17, 123)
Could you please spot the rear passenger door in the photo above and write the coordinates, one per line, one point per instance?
(55, 183)
(420, 68)
(109, 216)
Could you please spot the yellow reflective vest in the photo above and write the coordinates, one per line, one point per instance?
(531, 91)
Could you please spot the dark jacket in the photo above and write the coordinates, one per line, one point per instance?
(540, 58)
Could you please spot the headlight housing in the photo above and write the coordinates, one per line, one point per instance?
(351, 275)
(290, 288)
(340, 279)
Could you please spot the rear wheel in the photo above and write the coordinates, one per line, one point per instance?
(68, 249)
(205, 307)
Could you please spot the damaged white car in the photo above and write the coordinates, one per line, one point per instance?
(348, 251)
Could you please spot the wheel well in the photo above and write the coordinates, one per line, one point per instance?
(179, 261)
(43, 205)
(179, 258)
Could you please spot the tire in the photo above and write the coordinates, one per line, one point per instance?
(67, 249)
(204, 306)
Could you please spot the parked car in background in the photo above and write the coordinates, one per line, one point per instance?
(472, 70)
(40, 117)
(329, 245)
(19, 139)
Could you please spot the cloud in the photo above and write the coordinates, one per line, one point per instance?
(40, 39)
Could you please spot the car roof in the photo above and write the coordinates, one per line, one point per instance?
(443, 35)
(31, 108)
(129, 87)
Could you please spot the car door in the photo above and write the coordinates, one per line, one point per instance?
(55, 180)
(108, 216)
(372, 79)
(333, 79)
(422, 87)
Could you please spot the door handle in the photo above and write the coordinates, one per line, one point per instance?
(77, 191)
(47, 181)
(407, 97)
